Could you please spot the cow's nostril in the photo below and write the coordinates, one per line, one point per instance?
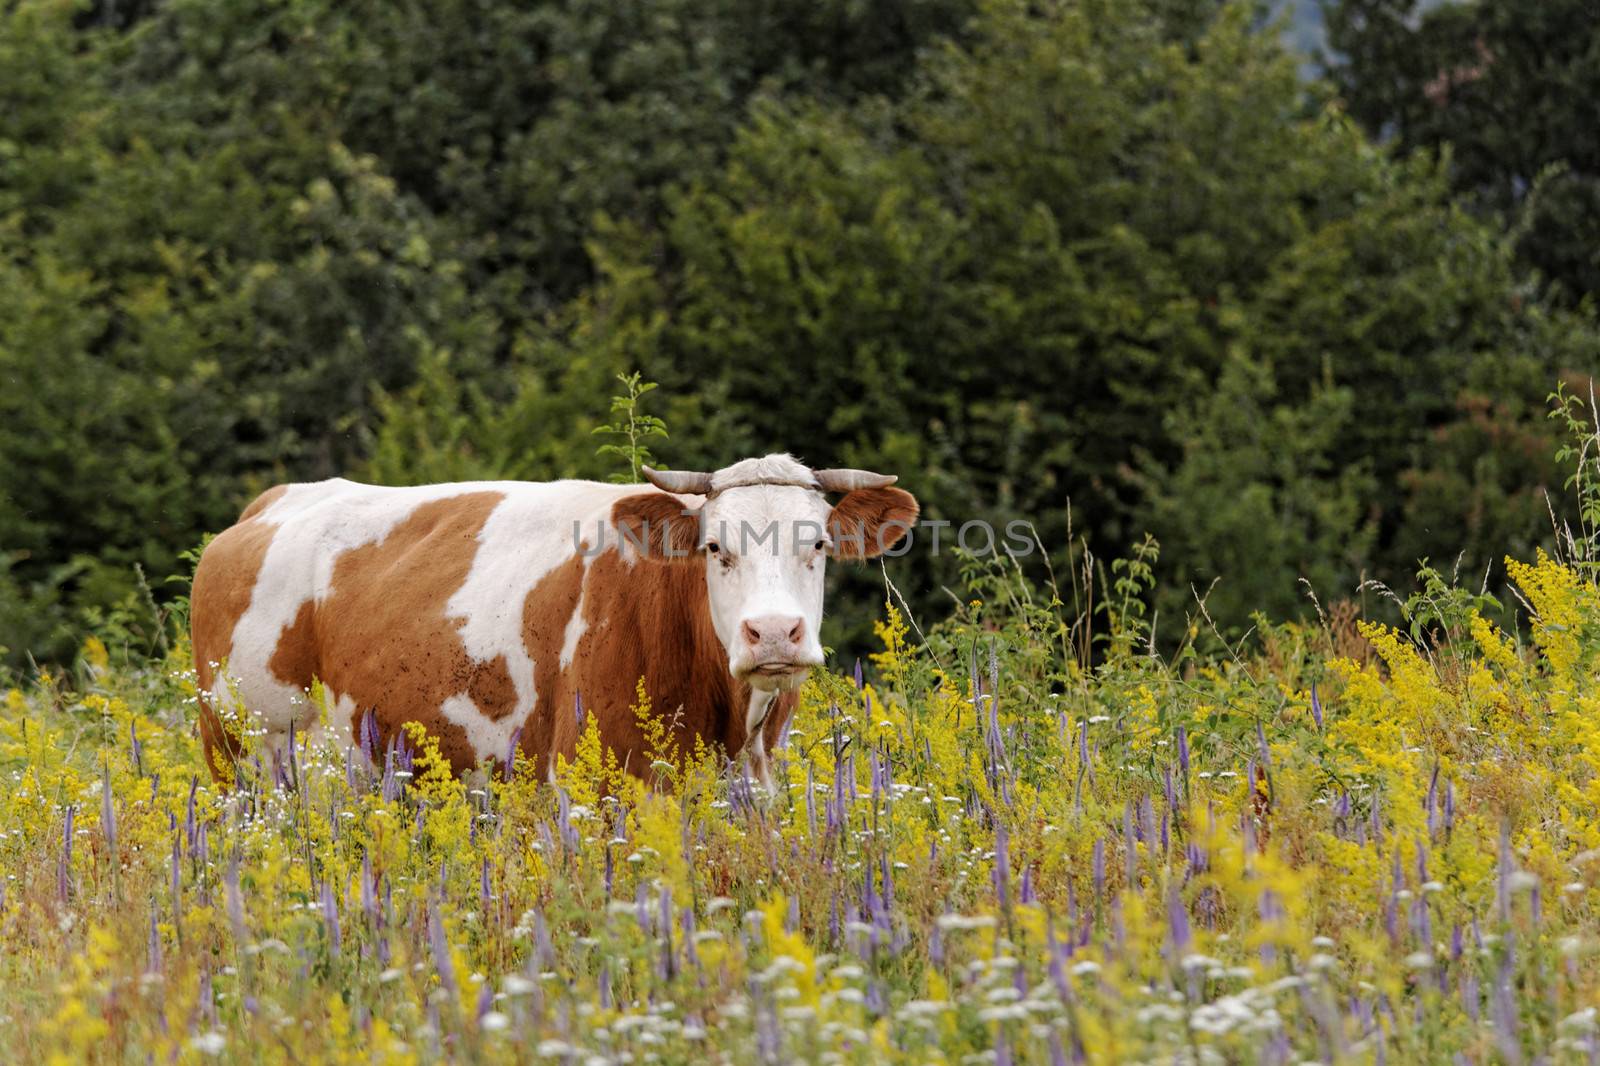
(752, 635)
(797, 630)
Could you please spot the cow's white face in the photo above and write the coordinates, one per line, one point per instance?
(764, 531)
(765, 549)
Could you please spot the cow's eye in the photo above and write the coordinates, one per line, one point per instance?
(821, 544)
(713, 547)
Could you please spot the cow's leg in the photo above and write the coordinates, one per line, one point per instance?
(218, 742)
(264, 710)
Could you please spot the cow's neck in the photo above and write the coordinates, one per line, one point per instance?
(653, 620)
(724, 699)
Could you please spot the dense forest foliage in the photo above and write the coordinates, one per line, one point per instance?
(1113, 267)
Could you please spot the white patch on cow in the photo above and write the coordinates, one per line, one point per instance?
(755, 744)
(756, 714)
(489, 737)
(576, 627)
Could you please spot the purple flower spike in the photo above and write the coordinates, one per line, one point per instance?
(811, 798)
(569, 834)
(689, 954)
(1316, 708)
(188, 812)
(441, 948)
(668, 957)
(369, 898)
(641, 908)
(511, 751)
(1058, 954)
(108, 813)
(577, 710)
(544, 949)
(1503, 1011)
(1002, 867)
(136, 748)
(1431, 803)
(330, 916)
(1100, 868)
(153, 954)
(1131, 849)
(485, 1001)
(1470, 1000)
(1271, 910)
(66, 852)
(1503, 877)
(1178, 922)
(230, 881)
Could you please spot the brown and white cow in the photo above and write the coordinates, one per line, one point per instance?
(487, 610)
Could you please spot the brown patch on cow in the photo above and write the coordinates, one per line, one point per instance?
(262, 502)
(224, 583)
(490, 686)
(546, 613)
(657, 525)
(294, 660)
(640, 621)
(865, 523)
(382, 635)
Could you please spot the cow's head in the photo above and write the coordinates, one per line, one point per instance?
(763, 529)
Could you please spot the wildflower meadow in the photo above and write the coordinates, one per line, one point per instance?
(1334, 841)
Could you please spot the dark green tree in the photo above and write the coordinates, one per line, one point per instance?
(1510, 90)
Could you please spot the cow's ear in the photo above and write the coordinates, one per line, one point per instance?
(868, 522)
(657, 526)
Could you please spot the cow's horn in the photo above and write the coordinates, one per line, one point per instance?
(686, 481)
(847, 480)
